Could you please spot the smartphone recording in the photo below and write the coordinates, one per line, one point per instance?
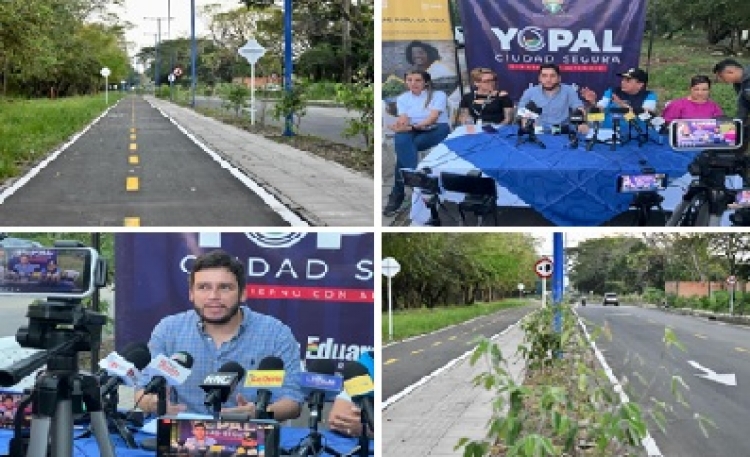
(48, 272)
(644, 182)
(698, 134)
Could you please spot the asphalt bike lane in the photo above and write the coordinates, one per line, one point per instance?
(407, 362)
(135, 168)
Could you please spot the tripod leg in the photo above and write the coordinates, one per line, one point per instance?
(93, 401)
(62, 429)
(39, 440)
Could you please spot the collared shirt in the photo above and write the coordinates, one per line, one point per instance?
(555, 107)
(417, 109)
(25, 269)
(259, 336)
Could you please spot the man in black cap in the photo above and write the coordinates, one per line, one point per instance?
(631, 94)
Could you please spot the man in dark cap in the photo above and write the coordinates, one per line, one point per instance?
(732, 72)
(631, 94)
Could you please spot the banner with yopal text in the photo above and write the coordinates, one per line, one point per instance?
(591, 40)
(417, 35)
(320, 284)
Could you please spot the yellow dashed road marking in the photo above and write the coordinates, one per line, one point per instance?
(703, 337)
(417, 351)
(132, 137)
(437, 343)
(133, 146)
(132, 222)
(133, 160)
(132, 184)
(453, 338)
(390, 361)
(739, 349)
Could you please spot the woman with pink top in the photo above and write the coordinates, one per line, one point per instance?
(697, 105)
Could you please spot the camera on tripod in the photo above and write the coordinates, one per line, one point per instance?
(62, 327)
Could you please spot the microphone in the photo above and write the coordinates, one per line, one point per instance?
(268, 377)
(173, 371)
(595, 114)
(219, 385)
(319, 383)
(126, 368)
(358, 385)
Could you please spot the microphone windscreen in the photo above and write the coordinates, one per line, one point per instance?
(233, 367)
(354, 369)
(137, 354)
(271, 363)
(184, 359)
(321, 366)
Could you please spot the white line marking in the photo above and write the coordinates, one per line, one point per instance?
(268, 198)
(648, 442)
(409, 389)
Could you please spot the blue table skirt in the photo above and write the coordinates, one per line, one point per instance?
(569, 187)
(289, 438)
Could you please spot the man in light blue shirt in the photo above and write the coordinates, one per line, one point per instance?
(555, 99)
(219, 330)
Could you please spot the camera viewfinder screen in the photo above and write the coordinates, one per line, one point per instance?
(705, 134)
(743, 197)
(180, 437)
(9, 402)
(55, 272)
(642, 183)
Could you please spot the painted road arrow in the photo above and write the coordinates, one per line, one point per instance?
(726, 379)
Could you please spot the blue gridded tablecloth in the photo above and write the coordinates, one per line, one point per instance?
(570, 187)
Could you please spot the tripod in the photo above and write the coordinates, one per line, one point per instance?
(644, 202)
(529, 131)
(313, 443)
(56, 396)
(63, 328)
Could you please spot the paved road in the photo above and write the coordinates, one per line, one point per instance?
(637, 347)
(407, 362)
(134, 167)
(323, 121)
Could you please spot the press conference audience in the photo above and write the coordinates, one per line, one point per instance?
(556, 99)
(485, 103)
(421, 124)
(632, 95)
(697, 105)
(219, 329)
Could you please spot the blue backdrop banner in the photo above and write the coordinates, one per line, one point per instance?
(320, 284)
(591, 40)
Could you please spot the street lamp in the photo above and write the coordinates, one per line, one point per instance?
(193, 52)
(288, 61)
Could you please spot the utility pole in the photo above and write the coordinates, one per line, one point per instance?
(156, 60)
(158, 28)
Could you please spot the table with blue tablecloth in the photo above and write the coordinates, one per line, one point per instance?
(290, 437)
(569, 187)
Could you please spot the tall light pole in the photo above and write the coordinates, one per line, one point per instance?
(288, 61)
(193, 52)
(158, 22)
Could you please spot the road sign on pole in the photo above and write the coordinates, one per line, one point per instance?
(252, 51)
(105, 72)
(520, 289)
(390, 268)
(732, 280)
(543, 268)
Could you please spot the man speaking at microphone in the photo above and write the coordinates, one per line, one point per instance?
(219, 330)
(555, 99)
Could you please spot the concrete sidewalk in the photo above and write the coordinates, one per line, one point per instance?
(322, 192)
(434, 417)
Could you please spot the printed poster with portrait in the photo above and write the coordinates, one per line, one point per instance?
(417, 35)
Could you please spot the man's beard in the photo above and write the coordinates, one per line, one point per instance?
(232, 312)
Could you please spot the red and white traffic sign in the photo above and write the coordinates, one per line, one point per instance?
(543, 268)
(731, 280)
